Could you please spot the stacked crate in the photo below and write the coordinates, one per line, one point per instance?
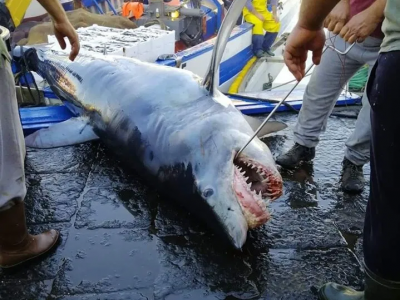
(143, 43)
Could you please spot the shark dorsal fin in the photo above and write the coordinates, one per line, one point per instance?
(211, 79)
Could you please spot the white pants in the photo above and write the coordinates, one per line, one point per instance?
(323, 90)
(12, 144)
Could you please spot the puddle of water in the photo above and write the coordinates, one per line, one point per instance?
(116, 259)
(110, 210)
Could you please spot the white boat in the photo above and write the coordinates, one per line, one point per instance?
(253, 85)
(36, 12)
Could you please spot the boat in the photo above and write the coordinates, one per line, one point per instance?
(254, 85)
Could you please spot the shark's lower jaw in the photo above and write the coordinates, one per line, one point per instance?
(255, 186)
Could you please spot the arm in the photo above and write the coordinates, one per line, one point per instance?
(377, 10)
(314, 12)
(364, 23)
(308, 34)
(250, 7)
(62, 26)
(54, 9)
(338, 17)
(274, 4)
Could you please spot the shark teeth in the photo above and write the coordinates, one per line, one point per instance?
(257, 196)
(248, 171)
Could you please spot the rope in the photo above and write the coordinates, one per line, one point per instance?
(154, 22)
(358, 81)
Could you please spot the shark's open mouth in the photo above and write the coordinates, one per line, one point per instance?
(255, 186)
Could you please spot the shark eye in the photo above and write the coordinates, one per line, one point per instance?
(208, 192)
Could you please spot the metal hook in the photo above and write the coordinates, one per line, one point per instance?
(340, 52)
(274, 110)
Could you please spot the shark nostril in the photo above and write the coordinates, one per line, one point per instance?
(208, 192)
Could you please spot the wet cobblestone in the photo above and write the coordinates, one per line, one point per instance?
(120, 240)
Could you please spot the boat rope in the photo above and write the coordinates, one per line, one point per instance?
(24, 70)
(358, 81)
(155, 22)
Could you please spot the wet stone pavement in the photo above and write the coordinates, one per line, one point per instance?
(120, 240)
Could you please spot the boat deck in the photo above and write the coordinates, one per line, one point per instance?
(120, 240)
(255, 107)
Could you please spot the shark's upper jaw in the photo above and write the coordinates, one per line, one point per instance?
(255, 185)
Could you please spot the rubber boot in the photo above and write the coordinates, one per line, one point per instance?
(16, 244)
(257, 41)
(295, 155)
(352, 180)
(269, 39)
(376, 288)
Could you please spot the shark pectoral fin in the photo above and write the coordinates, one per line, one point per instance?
(71, 132)
(270, 127)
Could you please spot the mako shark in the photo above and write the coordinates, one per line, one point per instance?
(179, 133)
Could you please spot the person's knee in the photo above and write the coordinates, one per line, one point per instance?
(257, 23)
(277, 27)
(258, 29)
(272, 26)
(252, 19)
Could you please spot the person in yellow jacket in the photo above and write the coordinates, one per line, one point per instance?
(16, 244)
(256, 13)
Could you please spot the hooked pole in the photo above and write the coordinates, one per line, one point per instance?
(274, 110)
(288, 94)
(272, 113)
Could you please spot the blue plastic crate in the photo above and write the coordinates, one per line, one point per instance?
(35, 118)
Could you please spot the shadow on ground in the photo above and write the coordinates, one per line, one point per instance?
(120, 240)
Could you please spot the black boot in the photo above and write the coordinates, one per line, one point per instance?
(269, 39)
(376, 288)
(295, 155)
(352, 177)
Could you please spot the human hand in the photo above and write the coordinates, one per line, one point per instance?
(260, 16)
(338, 17)
(65, 29)
(276, 17)
(300, 41)
(360, 27)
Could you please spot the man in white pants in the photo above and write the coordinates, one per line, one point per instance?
(363, 17)
(16, 244)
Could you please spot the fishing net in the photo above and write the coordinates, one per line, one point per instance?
(358, 81)
(37, 32)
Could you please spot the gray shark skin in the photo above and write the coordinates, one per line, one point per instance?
(162, 122)
(178, 133)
